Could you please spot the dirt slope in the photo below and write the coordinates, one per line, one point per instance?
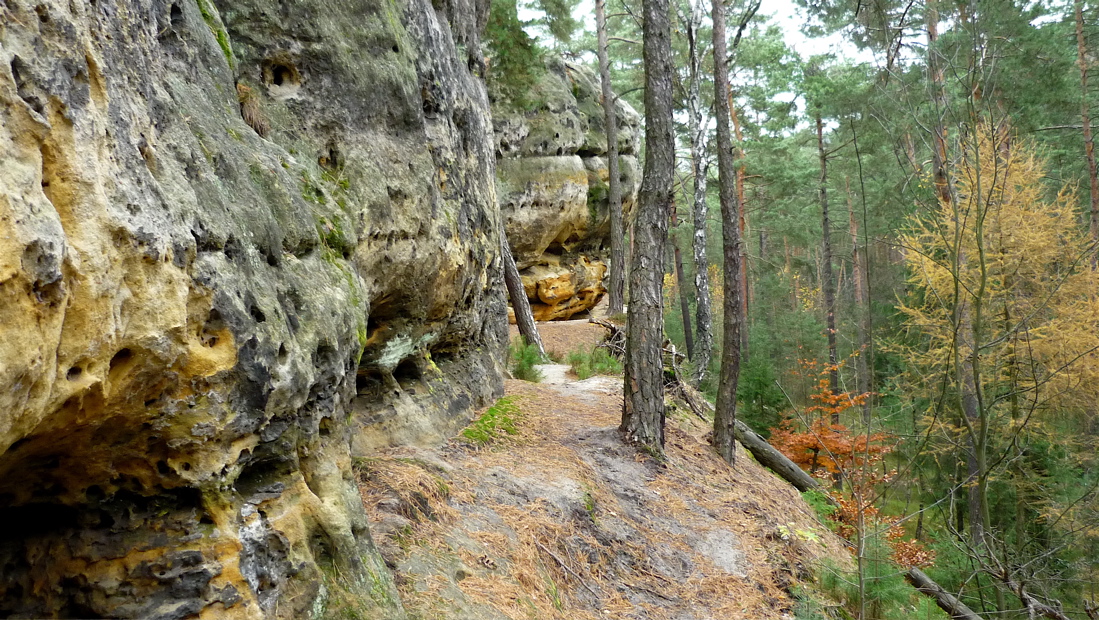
(563, 520)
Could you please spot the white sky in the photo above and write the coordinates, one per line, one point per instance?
(789, 17)
(784, 12)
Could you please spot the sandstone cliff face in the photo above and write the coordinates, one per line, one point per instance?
(552, 183)
(198, 322)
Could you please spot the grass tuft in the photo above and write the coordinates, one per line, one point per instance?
(524, 357)
(595, 361)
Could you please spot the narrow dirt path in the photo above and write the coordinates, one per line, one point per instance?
(558, 518)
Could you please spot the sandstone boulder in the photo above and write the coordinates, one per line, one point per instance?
(241, 242)
(551, 181)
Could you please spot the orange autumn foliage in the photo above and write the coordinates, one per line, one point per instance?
(826, 449)
(824, 446)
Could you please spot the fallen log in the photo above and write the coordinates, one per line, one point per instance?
(769, 457)
(945, 600)
(764, 452)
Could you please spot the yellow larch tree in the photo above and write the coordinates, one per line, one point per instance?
(1002, 309)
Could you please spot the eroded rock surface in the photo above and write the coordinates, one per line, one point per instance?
(199, 316)
(552, 183)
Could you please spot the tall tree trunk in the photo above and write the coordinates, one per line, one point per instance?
(680, 285)
(524, 319)
(745, 299)
(643, 409)
(617, 281)
(938, 104)
(965, 334)
(704, 319)
(789, 270)
(1089, 146)
(862, 311)
(725, 412)
(828, 278)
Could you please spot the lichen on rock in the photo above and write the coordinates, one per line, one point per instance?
(193, 314)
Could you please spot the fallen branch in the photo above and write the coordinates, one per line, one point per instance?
(615, 342)
(634, 586)
(1033, 605)
(524, 320)
(567, 569)
(945, 600)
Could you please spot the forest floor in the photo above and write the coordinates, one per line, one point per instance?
(540, 510)
(563, 337)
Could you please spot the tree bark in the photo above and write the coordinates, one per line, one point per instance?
(945, 600)
(704, 320)
(680, 285)
(524, 319)
(643, 409)
(616, 284)
(725, 412)
(828, 278)
(1085, 117)
(862, 311)
(745, 298)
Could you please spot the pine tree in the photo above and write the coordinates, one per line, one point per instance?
(643, 410)
(725, 411)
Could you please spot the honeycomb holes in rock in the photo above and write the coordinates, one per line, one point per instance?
(368, 381)
(214, 324)
(407, 373)
(282, 78)
(20, 72)
(120, 362)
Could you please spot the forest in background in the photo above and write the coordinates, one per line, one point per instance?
(918, 261)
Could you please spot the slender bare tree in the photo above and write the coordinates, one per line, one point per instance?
(617, 275)
(700, 166)
(828, 277)
(1085, 117)
(524, 318)
(725, 412)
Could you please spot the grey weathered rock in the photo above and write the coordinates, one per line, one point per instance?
(197, 321)
(552, 184)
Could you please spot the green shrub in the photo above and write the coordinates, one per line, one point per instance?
(818, 501)
(595, 361)
(888, 595)
(497, 421)
(524, 358)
